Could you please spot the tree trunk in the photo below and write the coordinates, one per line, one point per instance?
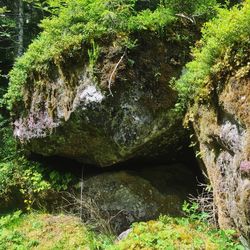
(20, 28)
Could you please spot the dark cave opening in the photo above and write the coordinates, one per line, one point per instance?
(185, 156)
(141, 188)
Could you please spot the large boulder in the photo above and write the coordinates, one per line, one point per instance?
(222, 127)
(121, 108)
(124, 197)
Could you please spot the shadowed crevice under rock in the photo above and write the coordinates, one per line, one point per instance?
(131, 191)
(128, 196)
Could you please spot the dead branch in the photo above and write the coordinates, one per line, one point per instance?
(190, 18)
(114, 70)
(205, 201)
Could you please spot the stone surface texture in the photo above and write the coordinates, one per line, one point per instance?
(109, 112)
(128, 196)
(222, 127)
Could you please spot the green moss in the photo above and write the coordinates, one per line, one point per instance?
(169, 233)
(228, 32)
(42, 231)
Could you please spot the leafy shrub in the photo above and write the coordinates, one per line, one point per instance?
(21, 177)
(227, 33)
(29, 179)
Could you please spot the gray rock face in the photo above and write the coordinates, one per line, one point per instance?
(124, 235)
(129, 196)
(223, 132)
(107, 114)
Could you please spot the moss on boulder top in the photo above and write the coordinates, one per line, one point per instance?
(80, 22)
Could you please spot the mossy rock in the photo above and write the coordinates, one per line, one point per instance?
(130, 196)
(108, 114)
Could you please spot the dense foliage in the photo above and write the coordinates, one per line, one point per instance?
(85, 21)
(43, 231)
(226, 34)
(22, 181)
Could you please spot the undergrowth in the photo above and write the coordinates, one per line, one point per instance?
(22, 181)
(44, 231)
(177, 233)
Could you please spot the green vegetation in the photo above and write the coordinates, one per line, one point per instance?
(169, 234)
(22, 178)
(29, 181)
(80, 22)
(8, 144)
(44, 231)
(73, 26)
(204, 9)
(224, 35)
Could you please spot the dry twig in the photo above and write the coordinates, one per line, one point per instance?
(114, 70)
